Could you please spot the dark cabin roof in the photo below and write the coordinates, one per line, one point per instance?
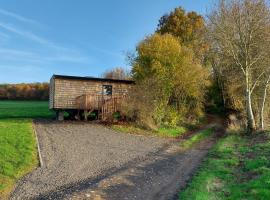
(87, 78)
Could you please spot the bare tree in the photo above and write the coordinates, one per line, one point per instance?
(117, 73)
(239, 32)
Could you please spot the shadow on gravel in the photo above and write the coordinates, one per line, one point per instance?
(160, 176)
(157, 180)
(92, 183)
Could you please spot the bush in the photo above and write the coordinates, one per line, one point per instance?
(116, 115)
(172, 117)
(170, 82)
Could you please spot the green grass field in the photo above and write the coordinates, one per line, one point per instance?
(236, 168)
(24, 109)
(17, 141)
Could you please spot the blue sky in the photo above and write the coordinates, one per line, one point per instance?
(39, 38)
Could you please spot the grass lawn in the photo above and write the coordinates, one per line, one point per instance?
(24, 109)
(236, 168)
(18, 154)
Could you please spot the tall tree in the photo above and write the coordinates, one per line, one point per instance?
(185, 26)
(239, 31)
(188, 27)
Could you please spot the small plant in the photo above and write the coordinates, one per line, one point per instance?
(92, 116)
(117, 115)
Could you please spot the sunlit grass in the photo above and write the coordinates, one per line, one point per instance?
(171, 132)
(161, 132)
(17, 141)
(17, 152)
(236, 168)
(194, 139)
(25, 109)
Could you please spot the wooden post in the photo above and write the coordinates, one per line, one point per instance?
(85, 115)
(60, 115)
(77, 116)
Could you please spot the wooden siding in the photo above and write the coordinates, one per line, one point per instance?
(51, 94)
(65, 92)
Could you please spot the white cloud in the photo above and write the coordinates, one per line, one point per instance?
(18, 17)
(48, 53)
(15, 52)
(18, 56)
(4, 35)
(59, 53)
(34, 57)
(27, 34)
(78, 58)
(21, 68)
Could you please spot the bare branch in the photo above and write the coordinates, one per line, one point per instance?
(255, 83)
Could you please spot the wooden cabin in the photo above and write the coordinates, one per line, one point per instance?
(79, 96)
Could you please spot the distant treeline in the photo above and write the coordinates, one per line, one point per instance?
(24, 91)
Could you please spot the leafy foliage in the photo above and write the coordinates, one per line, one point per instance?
(189, 28)
(185, 26)
(170, 81)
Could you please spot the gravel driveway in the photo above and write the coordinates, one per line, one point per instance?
(88, 161)
(74, 152)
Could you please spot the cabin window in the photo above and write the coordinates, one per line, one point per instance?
(107, 89)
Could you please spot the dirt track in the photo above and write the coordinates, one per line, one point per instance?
(86, 161)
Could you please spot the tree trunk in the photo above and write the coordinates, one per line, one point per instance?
(250, 115)
(262, 109)
(263, 103)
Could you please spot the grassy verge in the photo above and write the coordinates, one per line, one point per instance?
(236, 168)
(18, 154)
(197, 138)
(130, 128)
(171, 132)
(162, 132)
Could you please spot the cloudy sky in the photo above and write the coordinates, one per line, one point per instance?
(39, 38)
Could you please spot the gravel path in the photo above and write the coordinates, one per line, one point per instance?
(87, 161)
(160, 177)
